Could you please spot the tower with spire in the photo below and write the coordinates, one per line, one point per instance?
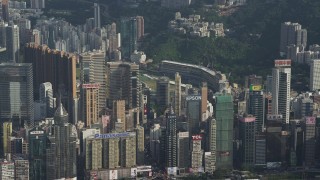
(171, 138)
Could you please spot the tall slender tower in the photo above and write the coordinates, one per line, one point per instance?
(171, 139)
(5, 10)
(281, 82)
(65, 145)
(13, 43)
(177, 95)
(128, 30)
(97, 20)
(204, 97)
(256, 107)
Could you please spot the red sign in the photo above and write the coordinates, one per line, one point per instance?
(90, 86)
(196, 137)
(282, 63)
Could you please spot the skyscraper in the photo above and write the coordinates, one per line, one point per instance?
(212, 143)
(247, 136)
(5, 10)
(315, 75)
(309, 128)
(196, 153)
(90, 103)
(140, 27)
(281, 83)
(163, 94)
(123, 83)
(37, 4)
(183, 155)
(204, 97)
(224, 119)
(93, 154)
(171, 139)
(37, 153)
(64, 139)
(256, 107)
(128, 31)
(194, 113)
(140, 144)
(12, 43)
(119, 114)
(56, 67)
(46, 96)
(16, 94)
(6, 134)
(93, 71)
(97, 20)
(177, 95)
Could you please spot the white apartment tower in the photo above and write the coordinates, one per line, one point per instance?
(281, 83)
(315, 74)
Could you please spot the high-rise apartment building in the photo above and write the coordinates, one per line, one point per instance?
(140, 144)
(177, 95)
(93, 71)
(123, 83)
(247, 136)
(97, 20)
(21, 169)
(12, 43)
(315, 75)
(281, 84)
(171, 139)
(196, 153)
(16, 94)
(7, 170)
(3, 26)
(56, 67)
(37, 4)
(90, 103)
(128, 31)
(6, 134)
(119, 114)
(212, 144)
(256, 107)
(224, 120)
(93, 154)
(5, 10)
(292, 34)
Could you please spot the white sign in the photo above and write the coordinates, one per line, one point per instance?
(193, 98)
(37, 132)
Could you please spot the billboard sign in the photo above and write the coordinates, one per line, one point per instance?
(172, 171)
(197, 137)
(90, 86)
(310, 120)
(113, 174)
(255, 87)
(143, 168)
(36, 132)
(282, 63)
(114, 135)
(133, 172)
(193, 98)
(274, 117)
(248, 119)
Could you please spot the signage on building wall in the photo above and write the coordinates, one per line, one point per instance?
(193, 98)
(36, 132)
(113, 135)
(255, 87)
(248, 119)
(196, 137)
(310, 120)
(282, 63)
(90, 86)
(274, 117)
